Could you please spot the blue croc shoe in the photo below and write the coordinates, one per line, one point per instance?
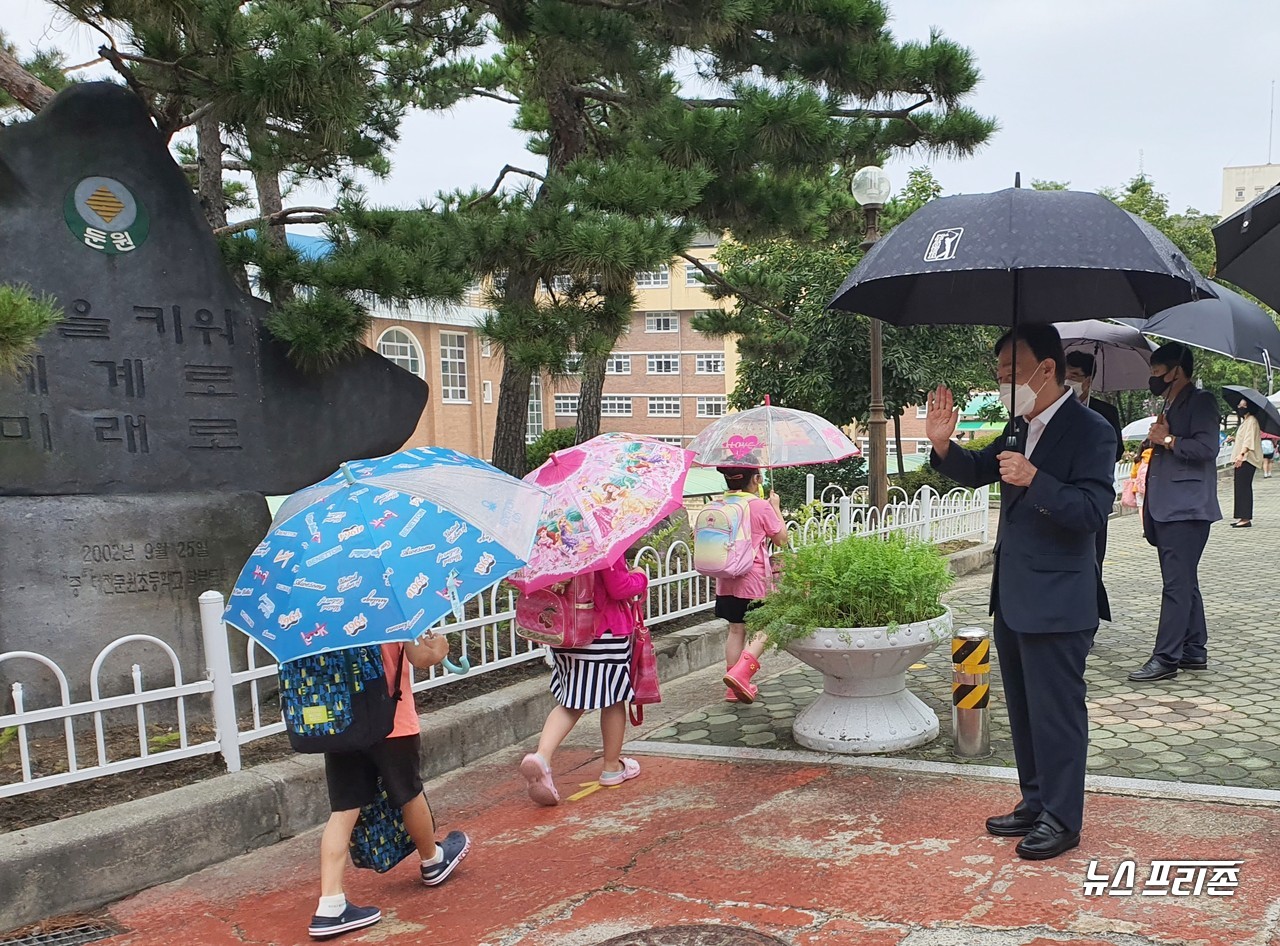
(455, 847)
(353, 918)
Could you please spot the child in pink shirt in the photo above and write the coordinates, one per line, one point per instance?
(736, 596)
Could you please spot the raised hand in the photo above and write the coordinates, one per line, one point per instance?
(941, 418)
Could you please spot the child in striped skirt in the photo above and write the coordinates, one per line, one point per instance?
(597, 676)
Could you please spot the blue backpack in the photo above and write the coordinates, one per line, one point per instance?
(338, 701)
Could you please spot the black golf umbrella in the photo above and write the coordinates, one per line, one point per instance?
(1248, 244)
(1230, 325)
(1263, 409)
(1019, 256)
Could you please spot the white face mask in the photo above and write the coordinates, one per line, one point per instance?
(1019, 401)
(1077, 387)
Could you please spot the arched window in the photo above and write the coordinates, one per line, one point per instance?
(399, 346)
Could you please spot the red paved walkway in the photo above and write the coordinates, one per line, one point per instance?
(811, 854)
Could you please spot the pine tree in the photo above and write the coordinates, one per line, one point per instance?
(806, 92)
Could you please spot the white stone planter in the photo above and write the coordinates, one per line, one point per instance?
(865, 705)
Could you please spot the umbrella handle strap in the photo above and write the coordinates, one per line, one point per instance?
(461, 667)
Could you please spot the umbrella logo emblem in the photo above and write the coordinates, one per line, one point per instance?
(942, 245)
(739, 446)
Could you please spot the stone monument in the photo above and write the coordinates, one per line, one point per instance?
(137, 448)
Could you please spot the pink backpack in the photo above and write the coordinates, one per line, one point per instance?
(722, 542)
(562, 615)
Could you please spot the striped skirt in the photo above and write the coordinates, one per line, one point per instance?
(594, 676)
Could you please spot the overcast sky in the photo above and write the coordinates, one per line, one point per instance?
(1085, 91)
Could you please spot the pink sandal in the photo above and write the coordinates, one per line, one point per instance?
(542, 789)
(630, 769)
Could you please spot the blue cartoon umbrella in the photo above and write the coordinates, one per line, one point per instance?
(381, 550)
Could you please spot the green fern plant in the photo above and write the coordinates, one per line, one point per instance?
(860, 581)
(24, 317)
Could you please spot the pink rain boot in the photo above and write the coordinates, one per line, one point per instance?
(729, 695)
(739, 678)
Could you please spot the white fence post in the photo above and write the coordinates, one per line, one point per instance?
(217, 655)
(808, 488)
(844, 526)
(925, 498)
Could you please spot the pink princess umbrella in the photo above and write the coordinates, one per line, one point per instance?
(766, 437)
(604, 495)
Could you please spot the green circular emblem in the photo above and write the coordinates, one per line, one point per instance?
(104, 215)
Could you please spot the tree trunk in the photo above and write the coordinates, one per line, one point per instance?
(897, 438)
(270, 201)
(509, 453)
(209, 151)
(26, 89)
(589, 395)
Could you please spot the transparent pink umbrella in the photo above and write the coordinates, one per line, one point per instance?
(766, 437)
(604, 495)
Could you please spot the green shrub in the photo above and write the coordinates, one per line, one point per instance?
(911, 481)
(548, 442)
(856, 582)
(789, 482)
(23, 319)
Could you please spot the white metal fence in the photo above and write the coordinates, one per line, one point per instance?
(242, 704)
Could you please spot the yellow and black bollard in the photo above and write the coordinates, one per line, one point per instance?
(971, 692)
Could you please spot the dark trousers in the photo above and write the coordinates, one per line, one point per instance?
(1244, 490)
(1182, 633)
(1100, 542)
(1044, 689)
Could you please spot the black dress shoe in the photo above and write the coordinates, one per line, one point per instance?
(1153, 670)
(1193, 664)
(1018, 822)
(1046, 840)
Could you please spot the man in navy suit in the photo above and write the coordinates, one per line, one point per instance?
(1181, 503)
(1056, 493)
(1081, 368)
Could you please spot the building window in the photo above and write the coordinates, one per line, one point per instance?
(1257, 190)
(664, 364)
(618, 364)
(677, 441)
(693, 276)
(661, 322)
(659, 278)
(922, 411)
(533, 429)
(566, 405)
(711, 406)
(395, 344)
(1239, 193)
(561, 283)
(922, 446)
(486, 388)
(486, 348)
(891, 446)
(500, 281)
(453, 366)
(664, 407)
(615, 406)
(710, 364)
(573, 363)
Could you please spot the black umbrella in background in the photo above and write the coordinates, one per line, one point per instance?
(1263, 409)
(1248, 244)
(1019, 256)
(1230, 325)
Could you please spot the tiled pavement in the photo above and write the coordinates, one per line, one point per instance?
(1220, 727)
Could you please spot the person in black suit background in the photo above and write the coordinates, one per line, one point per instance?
(1081, 369)
(1181, 504)
(1046, 588)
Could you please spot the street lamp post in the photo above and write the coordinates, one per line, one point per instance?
(871, 189)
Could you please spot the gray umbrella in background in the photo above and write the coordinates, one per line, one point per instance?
(1262, 408)
(1121, 353)
(1248, 244)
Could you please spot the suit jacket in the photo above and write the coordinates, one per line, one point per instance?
(1047, 578)
(1182, 482)
(1112, 417)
